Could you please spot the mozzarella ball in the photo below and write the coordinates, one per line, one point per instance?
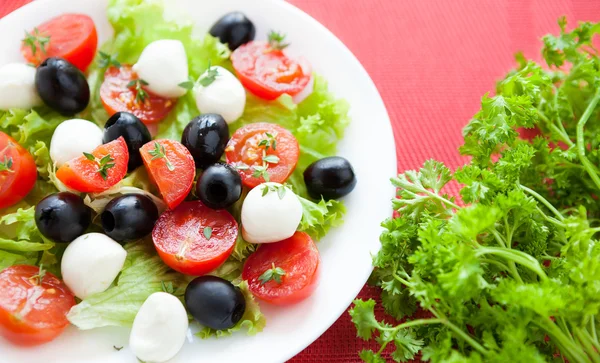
(159, 328)
(163, 64)
(17, 87)
(224, 96)
(72, 138)
(272, 217)
(91, 263)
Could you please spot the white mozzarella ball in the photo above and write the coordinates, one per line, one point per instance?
(163, 64)
(72, 138)
(91, 263)
(159, 329)
(272, 217)
(225, 95)
(17, 87)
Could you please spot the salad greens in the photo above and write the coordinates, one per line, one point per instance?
(510, 273)
(318, 123)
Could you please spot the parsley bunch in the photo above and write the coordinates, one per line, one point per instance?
(511, 272)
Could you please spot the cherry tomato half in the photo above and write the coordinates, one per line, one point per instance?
(95, 176)
(117, 96)
(69, 36)
(31, 312)
(250, 144)
(268, 72)
(297, 256)
(17, 171)
(171, 167)
(194, 239)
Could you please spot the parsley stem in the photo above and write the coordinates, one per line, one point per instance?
(403, 281)
(502, 266)
(593, 326)
(543, 201)
(565, 345)
(587, 345)
(564, 326)
(458, 331)
(408, 324)
(441, 199)
(519, 257)
(560, 131)
(592, 339)
(581, 142)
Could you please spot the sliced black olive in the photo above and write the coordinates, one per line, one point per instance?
(219, 186)
(215, 302)
(62, 86)
(206, 137)
(234, 29)
(62, 217)
(134, 132)
(330, 178)
(129, 217)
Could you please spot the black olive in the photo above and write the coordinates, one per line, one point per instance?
(234, 29)
(219, 186)
(331, 178)
(134, 132)
(62, 217)
(215, 302)
(62, 86)
(129, 217)
(206, 137)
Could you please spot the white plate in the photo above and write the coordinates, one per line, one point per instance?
(346, 251)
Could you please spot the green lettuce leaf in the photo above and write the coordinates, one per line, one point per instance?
(143, 274)
(21, 242)
(318, 218)
(30, 127)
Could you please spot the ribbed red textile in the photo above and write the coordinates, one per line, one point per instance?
(432, 60)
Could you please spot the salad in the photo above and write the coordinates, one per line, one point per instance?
(161, 178)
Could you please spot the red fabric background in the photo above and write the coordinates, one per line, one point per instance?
(432, 60)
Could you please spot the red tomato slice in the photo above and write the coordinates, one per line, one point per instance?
(269, 73)
(71, 36)
(244, 152)
(117, 97)
(84, 175)
(173, 172)
(17, 171)
(32, 313)
(297, 256)
(180, 237)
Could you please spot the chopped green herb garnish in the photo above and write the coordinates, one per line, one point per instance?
(7, 164)
(141, 94)
(107, 60)
(276, 40)
(105, 163)
(207, 231)
(209, 77)
(159, 153)
(274, 273)
(35, 40)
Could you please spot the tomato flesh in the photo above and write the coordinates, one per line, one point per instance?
(19, 179)
(181, 240)
(267, 72)
(174, 173)
(84, 176)
(32, 313)
(72, 37)
(297, 256)
(244, 152)
(116, 96)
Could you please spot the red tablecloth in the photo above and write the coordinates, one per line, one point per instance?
(432, 60)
